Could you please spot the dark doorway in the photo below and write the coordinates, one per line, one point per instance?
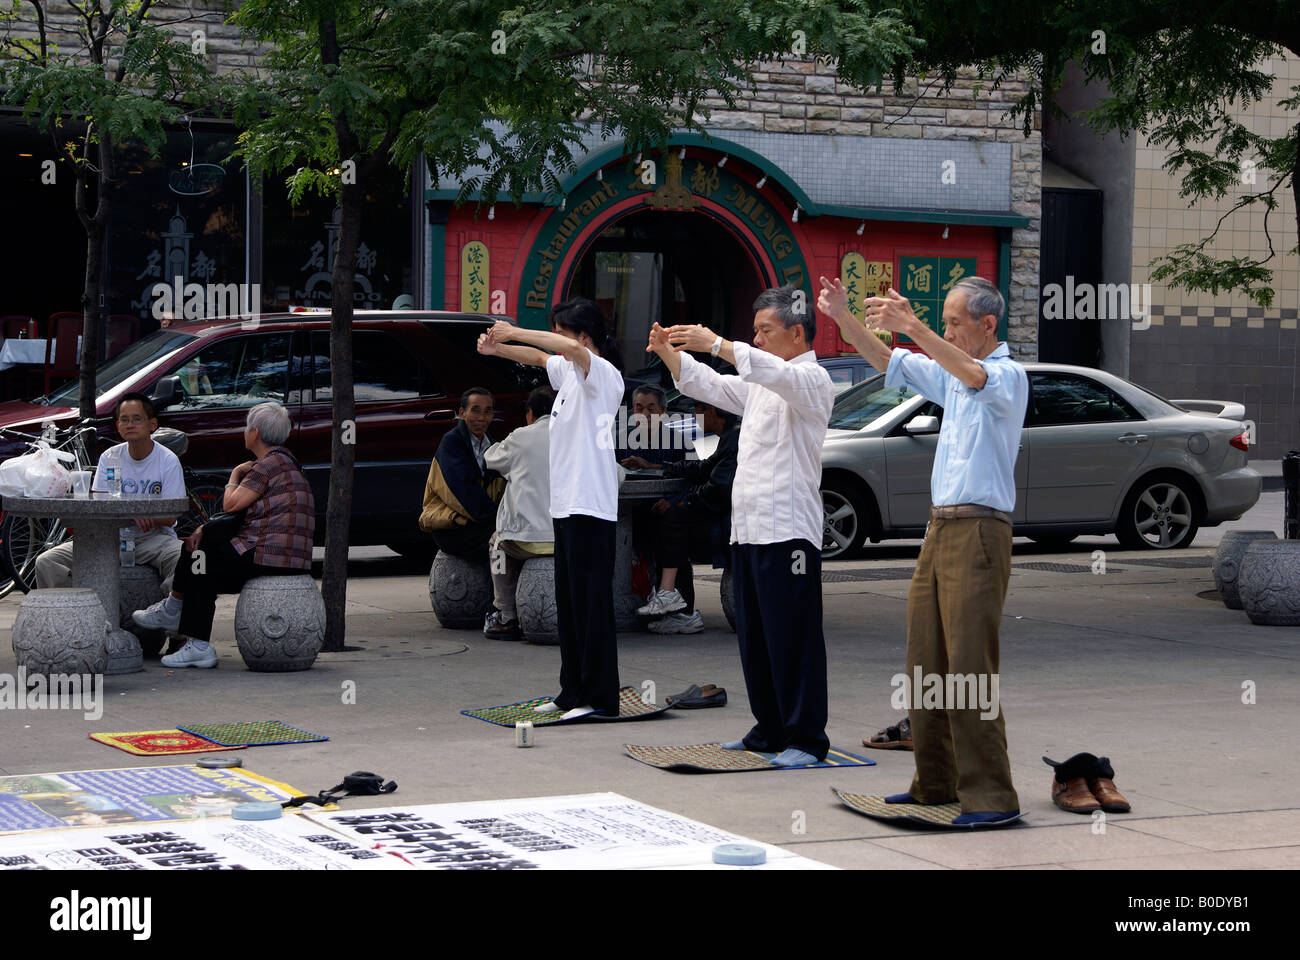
(1071, 248)
(668, 268)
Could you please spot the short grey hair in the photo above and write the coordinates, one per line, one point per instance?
(272, 423)
(658, 392)
(782, 300)
(982, 298)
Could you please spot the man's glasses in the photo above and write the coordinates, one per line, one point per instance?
(131, 421)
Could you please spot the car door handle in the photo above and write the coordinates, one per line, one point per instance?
(440, 415)
(1133, 438)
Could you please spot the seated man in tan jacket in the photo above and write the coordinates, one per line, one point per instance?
(461, 494)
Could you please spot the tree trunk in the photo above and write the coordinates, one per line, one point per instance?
(334, 588)
(92, 322)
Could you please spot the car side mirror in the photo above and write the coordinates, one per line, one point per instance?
(921, 425)
(166, 392)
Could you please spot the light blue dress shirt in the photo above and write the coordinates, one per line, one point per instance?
(975, 461)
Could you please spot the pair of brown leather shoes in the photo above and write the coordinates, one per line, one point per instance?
(1080, 795)
(1084, 783)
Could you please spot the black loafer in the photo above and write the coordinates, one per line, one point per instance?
(696, 698)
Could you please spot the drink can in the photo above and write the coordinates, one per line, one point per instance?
(524, 733)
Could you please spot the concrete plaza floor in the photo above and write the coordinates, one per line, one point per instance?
(1136, 664)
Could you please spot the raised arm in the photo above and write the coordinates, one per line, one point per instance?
(697, 380)
(490, 348)
(805, 386)
(894, 313)
(503, 332)
(833, 301)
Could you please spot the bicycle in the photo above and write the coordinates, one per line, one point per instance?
(23, 539)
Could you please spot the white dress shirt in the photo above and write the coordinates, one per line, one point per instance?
(776, 495)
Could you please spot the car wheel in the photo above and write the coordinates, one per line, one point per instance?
(845, 520)
(1159, 513)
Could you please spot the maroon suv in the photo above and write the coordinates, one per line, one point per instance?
(410, 369)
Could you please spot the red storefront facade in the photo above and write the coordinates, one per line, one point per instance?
(715, 220)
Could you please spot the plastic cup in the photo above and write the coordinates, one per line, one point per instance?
(81, 483)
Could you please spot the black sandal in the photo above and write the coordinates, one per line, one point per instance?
(895, 737)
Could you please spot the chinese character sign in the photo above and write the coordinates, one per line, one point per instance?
(474, 277)
(926, 281)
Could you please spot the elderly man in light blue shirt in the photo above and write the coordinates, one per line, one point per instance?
(954, 605)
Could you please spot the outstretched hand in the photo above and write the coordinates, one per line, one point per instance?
(892, 312)
(833, 299)
(486, 345)
(691, 337)
(658, 342)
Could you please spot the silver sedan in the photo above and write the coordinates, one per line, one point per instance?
(1098, 455)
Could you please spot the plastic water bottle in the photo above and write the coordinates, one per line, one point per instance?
(113, 480)
(126, 555)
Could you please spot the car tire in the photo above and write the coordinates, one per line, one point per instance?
(1161, 512)
(854, 516)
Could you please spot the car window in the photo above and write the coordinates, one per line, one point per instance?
(236, 372)
(457, 361)
(1058, 399)
(866, 402)
(841, 378)
(126, 364)
(383, 368)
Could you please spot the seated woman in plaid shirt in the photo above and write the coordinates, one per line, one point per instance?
(274, 538)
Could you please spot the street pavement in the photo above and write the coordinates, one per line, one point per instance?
(1137, 663)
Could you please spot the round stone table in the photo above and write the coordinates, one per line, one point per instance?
(641, 488)
(96, 520)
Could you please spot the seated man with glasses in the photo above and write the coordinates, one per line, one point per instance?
(145, 469)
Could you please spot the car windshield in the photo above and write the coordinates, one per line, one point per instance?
(865, 403)
(126, 364)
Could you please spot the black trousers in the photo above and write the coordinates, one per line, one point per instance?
(782, 648)
(222, 570)
(584, 613)
(680, 534)
(470, 542)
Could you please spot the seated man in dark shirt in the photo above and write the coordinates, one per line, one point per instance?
(683, 526)
(649, 438)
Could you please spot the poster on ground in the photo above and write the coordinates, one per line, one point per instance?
(601, 831)
(130, 795)
(288, 843)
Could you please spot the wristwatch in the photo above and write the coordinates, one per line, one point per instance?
(716, 348)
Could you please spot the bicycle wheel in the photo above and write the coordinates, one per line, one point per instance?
(205, 501)
(22, 540)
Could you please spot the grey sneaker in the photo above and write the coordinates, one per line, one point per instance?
(662, 603)
(156, 617)
(678, 623)
(191, 656)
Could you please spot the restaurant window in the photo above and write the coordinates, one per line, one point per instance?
(180, 214)
(300, 243)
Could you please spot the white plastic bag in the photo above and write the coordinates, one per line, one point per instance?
(40, 473)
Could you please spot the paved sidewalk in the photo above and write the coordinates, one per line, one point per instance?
(1131, 663)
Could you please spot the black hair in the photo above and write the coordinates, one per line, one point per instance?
(143, 399)
(790, 309)
(540, 402)
(475, 391)
(728, 418)
(581, 315)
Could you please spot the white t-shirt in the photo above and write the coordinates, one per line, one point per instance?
(584, 473)
(157, 475)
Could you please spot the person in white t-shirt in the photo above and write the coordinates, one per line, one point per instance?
(147, 469)
(584, 493)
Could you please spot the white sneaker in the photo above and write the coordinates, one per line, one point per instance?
(678, 623)
(663, 602)
(191, 655)
(550, 706)
(577, 712)
(156, 617)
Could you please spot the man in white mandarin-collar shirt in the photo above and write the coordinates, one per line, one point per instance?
(954, 604)
(784, 397)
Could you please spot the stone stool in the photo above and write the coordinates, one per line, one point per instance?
(460, 591)
(1269, 582)
(535, 600)
(61, 630)
(1227, 562)
(140, 587)
(728, 596)
(280, 623)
